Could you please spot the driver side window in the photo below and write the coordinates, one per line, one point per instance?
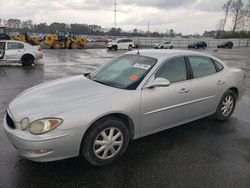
(174, 70)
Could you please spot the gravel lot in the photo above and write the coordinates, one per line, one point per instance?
(204, 153)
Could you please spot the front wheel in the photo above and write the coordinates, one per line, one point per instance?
(130, 47)
(105, 142)
(115, 48)
(226, 106)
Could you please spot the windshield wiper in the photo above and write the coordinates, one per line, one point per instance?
(99, 81)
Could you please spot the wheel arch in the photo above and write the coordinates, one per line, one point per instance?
(235, 90)
(123, 117)
(27, 54)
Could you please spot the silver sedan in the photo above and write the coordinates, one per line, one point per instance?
(134, 95)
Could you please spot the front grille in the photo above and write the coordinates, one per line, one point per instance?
(10, 121)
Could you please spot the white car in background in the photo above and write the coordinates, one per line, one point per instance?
(164, 45)
(121, 44)
(21, 52)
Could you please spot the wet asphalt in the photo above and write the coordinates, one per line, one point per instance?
(204, 153)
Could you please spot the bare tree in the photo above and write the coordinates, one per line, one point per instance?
(226, 7)
(247, 9)
(237, 7)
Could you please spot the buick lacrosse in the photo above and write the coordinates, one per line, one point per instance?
(136, 94)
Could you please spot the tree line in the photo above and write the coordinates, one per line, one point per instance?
(27, 26)
(239, 14)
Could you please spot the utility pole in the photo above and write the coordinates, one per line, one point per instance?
(148, 28)
(115, 15)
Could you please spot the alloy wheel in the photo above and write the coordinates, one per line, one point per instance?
(227, 105)
(108, 143)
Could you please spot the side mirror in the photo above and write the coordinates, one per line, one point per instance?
(159, 82)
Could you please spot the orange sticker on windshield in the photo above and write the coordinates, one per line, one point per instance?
(133, 77)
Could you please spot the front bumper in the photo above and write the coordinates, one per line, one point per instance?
(43, 148)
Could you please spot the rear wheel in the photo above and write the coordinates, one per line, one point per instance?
(226, 106)
(27, 59)
(57, 45)
(74, 45)
(105, 142)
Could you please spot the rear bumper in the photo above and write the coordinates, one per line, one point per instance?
(39, 56)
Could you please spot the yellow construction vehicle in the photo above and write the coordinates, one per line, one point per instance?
(81, 41)
(62, 40)
(26, 38)
(56, 40)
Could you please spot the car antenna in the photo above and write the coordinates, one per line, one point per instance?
(138, 46)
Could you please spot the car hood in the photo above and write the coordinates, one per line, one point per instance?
(55, 97)
(111, 43)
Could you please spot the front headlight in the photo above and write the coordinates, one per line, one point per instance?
(44, 125)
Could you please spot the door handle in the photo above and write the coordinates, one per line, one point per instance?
(183, 90)
(220, 82)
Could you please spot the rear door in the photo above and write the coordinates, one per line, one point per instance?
(121, 44)
(13, 51)
(208, 85)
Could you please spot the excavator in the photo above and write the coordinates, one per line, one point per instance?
(64, 40)
(3, 34)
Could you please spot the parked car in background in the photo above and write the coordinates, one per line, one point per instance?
(164, 45)
(131, 96)
(102, 39)
(197, 45)
(226, 44)
(121, 44)
(11, 50)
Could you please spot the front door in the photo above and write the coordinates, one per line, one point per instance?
(14, 51)
(163, 107)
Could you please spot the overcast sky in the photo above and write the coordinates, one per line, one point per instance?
(186, 16)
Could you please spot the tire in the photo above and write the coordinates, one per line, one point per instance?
(27, 59)
(161, 47)
(57, 45)
(109, 152)
(130, 47)
(171, 47)
(115, 48)
(74, 45)
(226, 105)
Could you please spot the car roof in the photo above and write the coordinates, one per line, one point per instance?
(13, 41)
(123, 38)
(166, 53)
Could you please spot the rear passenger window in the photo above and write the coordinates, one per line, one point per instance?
(14, 45)
(174, 70)
(219, 66)
(201, 66)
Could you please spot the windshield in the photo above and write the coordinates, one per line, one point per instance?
(125, 72)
